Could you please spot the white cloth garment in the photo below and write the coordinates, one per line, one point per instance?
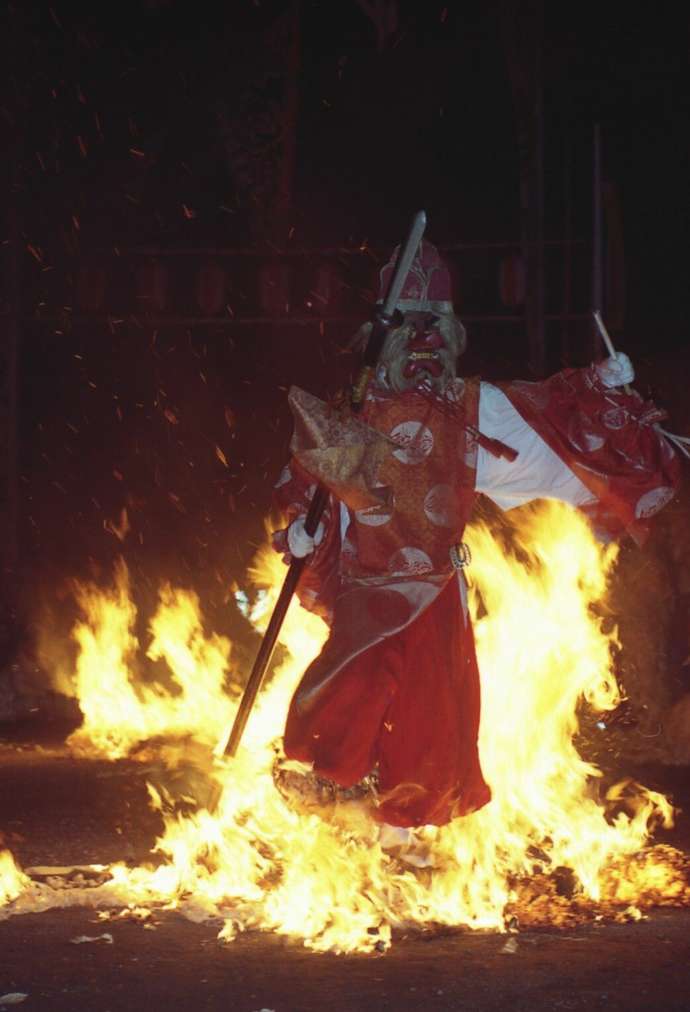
(537, 473)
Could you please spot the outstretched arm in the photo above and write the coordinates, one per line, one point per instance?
(607, 453)
(537, 472)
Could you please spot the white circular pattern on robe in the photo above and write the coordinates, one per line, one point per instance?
(410, 562)
(615, 418)
(592, 441)
(651, 502)
(374, 516)
(441, 506)
(415, 442)
(584, 439)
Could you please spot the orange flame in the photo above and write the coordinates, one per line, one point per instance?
(326, 878)
(119, 714)
(13, 881)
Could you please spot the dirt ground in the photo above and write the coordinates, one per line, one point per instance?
(59, 811)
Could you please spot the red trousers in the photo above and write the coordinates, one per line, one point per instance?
(408, 706)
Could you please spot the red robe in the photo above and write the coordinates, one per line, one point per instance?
(609, 439)
(396, 686)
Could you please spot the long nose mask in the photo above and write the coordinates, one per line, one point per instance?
(422, 351)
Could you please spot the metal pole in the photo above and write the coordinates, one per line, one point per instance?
(268, 643)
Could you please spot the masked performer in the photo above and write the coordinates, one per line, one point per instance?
(394, 694)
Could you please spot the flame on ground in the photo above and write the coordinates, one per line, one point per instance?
(119, 714)
(326, 880)
(13, 881)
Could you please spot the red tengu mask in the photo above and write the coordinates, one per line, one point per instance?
(423, 348)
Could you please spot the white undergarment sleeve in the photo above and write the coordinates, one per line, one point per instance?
(537, 472)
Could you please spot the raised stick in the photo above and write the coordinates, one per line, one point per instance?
(680, 442)
(608, 342)
(406, 256)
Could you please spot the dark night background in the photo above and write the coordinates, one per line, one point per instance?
(146, 133)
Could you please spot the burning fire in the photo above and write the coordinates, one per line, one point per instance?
(256, 862)
(118, 715)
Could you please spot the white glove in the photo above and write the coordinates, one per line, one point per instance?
(615, 371)
(299, 542)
